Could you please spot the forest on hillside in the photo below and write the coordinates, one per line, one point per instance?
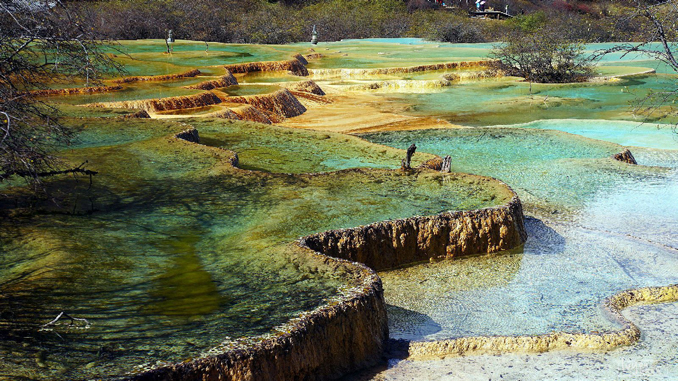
(286, 21)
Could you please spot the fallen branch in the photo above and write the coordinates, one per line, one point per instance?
(64, 314)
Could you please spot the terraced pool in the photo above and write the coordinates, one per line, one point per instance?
(172, 251)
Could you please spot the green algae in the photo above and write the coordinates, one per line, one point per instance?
(278, 149)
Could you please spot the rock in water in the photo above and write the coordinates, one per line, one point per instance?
(626, 156)
(405, 164)
(447, 165)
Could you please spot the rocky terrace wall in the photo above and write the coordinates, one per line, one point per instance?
(164, 104)
(277, 105)
(389, 244)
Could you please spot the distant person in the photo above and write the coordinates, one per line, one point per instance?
(478, 5)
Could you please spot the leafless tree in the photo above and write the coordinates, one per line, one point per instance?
(543, 56)
(656, 22)
(41, 42)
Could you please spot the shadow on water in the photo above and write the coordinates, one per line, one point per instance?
(542, 239)
(411, 323)
(397, 349)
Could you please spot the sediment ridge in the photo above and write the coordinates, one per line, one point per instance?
(227, 80)
(357, 73)
(165, 77)
(164, 104)
(74, 91)
(294, 66)
(277, 105)
(628, 334)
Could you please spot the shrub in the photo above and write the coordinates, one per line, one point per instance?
(543, 56)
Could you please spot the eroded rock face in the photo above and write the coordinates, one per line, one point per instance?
(328, 343)
(626, 156)
(190, 135)
(390, 244)
(278, 105)
(293, 66)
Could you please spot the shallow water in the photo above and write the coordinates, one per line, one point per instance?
(506, 101)
(652, 358)
(602, 227)
(173, 261)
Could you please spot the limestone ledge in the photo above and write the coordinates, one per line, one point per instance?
(294, 66)
(628, 334)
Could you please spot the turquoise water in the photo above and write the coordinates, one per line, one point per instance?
(506, 101)
(637, 134)
(600, 227)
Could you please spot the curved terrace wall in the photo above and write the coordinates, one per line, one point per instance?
(628, 334)
(390, 244)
